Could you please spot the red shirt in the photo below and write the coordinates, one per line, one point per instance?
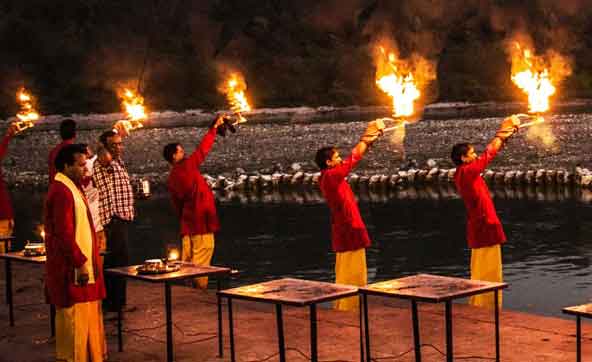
(5, 206)
(483, 226)
(190, 194)
(63, 253)
(52, 156)
(348, 231)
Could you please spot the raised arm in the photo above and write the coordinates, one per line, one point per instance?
(508, 127)
(373, 131)
(201, 151)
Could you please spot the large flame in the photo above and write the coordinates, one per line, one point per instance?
(402, 79)
(27, 114)
(536, 75)
(534, 82)
(133, 105)
(234, 88)
(399, 83)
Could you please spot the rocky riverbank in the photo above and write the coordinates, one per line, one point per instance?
(287, 147)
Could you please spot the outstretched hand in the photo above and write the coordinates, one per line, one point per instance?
(508, 127)
(374, 130)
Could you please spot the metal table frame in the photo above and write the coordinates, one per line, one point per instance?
(219, 272)
(19, 257)
(364, 292)
(280, 321)
(579, 314)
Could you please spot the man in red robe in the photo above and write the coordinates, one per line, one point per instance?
(67, 134)
(73, 274)
(348, 231)
(484, 229)
(193, 200)
(6, 212)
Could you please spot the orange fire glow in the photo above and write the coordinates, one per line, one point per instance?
(27, 114)
(234, 88)
(134, 109)
(402, 79)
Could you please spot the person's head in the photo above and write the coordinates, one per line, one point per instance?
(68, 129)
(463, 153)
(103, 156)
(112, 141)
(173, 153)
(71, 161)
(327, 157)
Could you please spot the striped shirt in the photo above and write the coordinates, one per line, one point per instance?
(116, 197)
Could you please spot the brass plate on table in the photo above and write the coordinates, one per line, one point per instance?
(167, 269)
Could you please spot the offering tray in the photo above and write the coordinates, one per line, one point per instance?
(34, 249)
(156, 266)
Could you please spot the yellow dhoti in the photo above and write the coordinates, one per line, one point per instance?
(350, 268)
(198, 249)
(6, 229)
(486, 264)
(80, 335)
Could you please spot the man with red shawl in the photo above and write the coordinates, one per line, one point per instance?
(73, 271)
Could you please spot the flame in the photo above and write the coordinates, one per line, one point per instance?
(402, 79)
(27, 114)
(133, 105)
(234, 88)
(536, 75)
(173, 254)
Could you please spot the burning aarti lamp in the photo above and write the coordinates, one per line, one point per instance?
(173, 256)
(27, 114)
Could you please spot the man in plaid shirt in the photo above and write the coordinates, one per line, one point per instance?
(116, 210)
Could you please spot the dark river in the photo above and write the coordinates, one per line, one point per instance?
(546, 260)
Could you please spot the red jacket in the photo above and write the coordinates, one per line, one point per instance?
(63, 253)
(190, 194)
(483, 226)
(52, 156)
(5, 206)
(348, 231)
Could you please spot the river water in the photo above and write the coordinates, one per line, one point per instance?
(547, 260)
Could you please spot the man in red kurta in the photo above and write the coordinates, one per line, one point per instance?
(73, 274)
(6, 212)
(67, 134)
(348, 232)
(484, 229)
(193, 200)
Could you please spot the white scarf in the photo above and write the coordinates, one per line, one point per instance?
(83, 231)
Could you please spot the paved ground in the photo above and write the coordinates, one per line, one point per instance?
(524, 337)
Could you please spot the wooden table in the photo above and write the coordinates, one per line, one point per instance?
(584, 310)
(187, 271)
(19, 257)
(431, 289)
(292, 292)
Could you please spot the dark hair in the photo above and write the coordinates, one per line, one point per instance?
(68, 129)
(66, 155)
(323, 155)
(105, 136)
(169, 150)
(459, 150)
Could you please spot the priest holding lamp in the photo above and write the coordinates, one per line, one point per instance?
(485, 234)
(349, 237)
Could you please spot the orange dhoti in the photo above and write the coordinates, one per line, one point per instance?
(199, 249)
(350, 269)
(486, 264)
(80, 335)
